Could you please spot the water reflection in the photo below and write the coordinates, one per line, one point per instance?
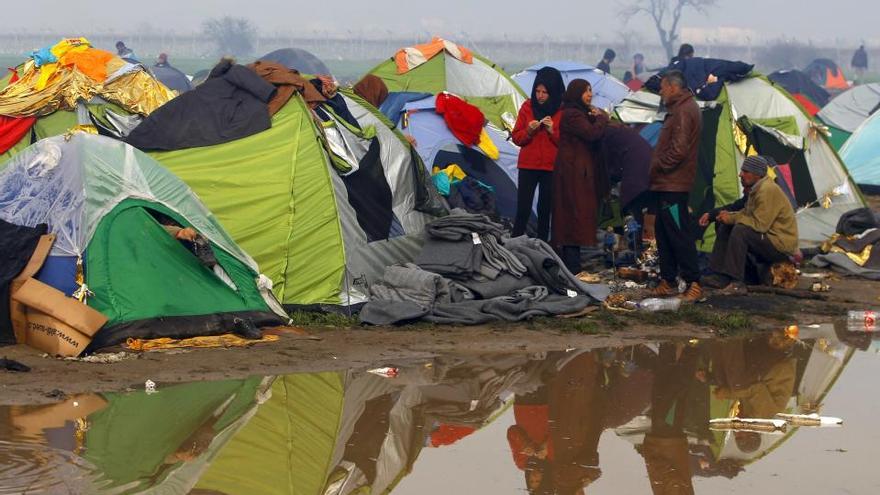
(354, 432)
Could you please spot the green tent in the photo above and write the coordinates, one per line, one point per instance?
(305, 213)
(482, 83)
(775, 125)
(104, 201)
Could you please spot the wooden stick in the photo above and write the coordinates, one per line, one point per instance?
(799, 294)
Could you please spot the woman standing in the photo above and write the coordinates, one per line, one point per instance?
(537, 134)
(579, 177)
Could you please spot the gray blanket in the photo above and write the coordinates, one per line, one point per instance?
(459, 225)
(545, 268)
(521, 305)
(411, 283)
(841, 263)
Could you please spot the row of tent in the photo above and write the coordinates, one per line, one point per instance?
(279, 202)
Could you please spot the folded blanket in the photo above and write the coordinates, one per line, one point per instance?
(410, 283)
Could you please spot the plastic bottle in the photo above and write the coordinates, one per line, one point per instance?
(865, 321)
(655, 304)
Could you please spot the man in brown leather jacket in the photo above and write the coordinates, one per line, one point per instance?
(673, 169)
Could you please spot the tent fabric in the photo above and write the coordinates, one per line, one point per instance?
(298, 59)
(17, 243)
(13, 130)
(826, 73)
(607, 90)
(860, 153)
(849, 109)
(171, 77)
(411, 57)
(796, 82)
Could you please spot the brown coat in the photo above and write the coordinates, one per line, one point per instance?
(578, 178)
(674, 162)
(287, 81)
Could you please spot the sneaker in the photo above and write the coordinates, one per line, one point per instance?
(715, 281)
(664, 289)
(693, 293)
(734, 288)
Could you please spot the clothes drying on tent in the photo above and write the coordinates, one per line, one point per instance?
(463, 119)
(98, 197)
(298, 59)
(171, 77)
(608, 91)
(697, 70)
(234, 102)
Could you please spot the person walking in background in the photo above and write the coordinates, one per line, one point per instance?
(672, 173)
(605, 64)
(579, 178)
(638, 64)
(537, 134)
(860, 63)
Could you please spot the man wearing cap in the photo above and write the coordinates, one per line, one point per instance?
(765, 227)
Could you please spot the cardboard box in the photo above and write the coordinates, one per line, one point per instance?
(52, 302)
(17, 309)
(52, 336)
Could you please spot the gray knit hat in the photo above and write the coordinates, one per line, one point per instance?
(755, 164)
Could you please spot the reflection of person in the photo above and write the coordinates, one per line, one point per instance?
(578, 177)
(766, 228)
(529, 438)
(673, 170)
(537, 134)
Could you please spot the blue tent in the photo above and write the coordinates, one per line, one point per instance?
(607, 90)
(439, 147)
(861, 154)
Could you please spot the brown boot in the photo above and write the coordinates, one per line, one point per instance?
(693, 293)
(664, 289)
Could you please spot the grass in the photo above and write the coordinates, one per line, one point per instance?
(697, 315)
(315, 319)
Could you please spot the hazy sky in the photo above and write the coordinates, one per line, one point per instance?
(849, 20)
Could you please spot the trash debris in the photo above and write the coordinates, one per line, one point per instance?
(150, 387)
(104, 358)
(865, 321)
(225, 340)
(653, 304)
(12, 365)
(792, 331)
(387, 372)
(56, 394)
(810, 420)
(632, 273)
(748, 424)
(820, 287)
(589, 278)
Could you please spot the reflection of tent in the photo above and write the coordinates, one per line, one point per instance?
(171, 77)
(607, 90)
(826, 73)
(846, 111)
(481, 82)
(438, 147)
(102, 199)
(861, 153)
(778, 127)
(802, 88)
(297, 58)
(280, 197)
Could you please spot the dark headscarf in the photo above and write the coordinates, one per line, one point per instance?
(573, 94)
(372, 89)
(552, 81)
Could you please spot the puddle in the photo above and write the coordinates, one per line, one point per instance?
(622, 420)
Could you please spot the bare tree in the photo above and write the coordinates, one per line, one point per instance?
(666, 15)
(233, 35)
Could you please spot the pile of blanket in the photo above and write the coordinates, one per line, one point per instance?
(854, 249)
(468, 272)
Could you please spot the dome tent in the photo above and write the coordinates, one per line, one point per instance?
(296, 58)
(607, 90)
(846, 111)
(104, 201)
(861, 153)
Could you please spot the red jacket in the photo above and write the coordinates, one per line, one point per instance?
(538, 150)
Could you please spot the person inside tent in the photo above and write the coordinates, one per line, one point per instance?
(578, 177)
(860, 63)
(685, 51)
(125, 53)
(672, 174)
(605, 64)
(537, 134)
(765, 228)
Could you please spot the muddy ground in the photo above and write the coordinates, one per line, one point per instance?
(345, 345)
